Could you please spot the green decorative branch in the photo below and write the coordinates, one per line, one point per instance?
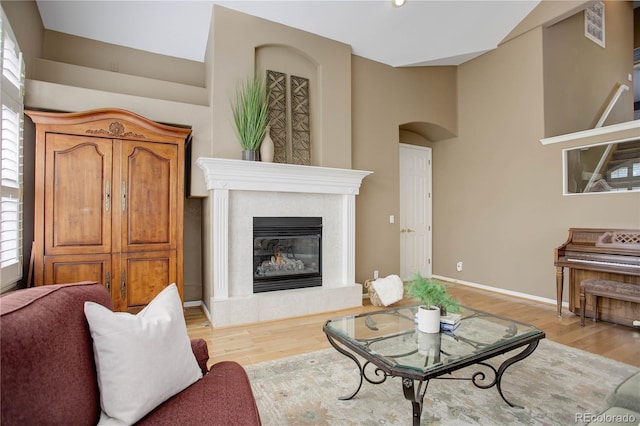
(430, 293)
(250, 112)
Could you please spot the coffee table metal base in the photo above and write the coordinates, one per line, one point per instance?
(416, 394)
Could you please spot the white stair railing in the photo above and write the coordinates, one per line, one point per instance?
(621, 88)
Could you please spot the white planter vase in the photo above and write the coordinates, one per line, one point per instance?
(429, 320)
(267, 147)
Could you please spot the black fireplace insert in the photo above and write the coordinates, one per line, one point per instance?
(287, 253)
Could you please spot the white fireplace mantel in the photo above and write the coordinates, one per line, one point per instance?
(229, 174)
(240, 190)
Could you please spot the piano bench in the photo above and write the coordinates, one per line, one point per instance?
(606, 288)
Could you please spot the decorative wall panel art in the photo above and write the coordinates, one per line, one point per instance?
(285, 114)
(277, 86)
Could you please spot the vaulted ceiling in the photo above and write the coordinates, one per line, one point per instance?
(422, 32)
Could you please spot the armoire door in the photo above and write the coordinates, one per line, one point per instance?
(142, 276)
(148, 191)
(78, 186)
(80, 267)
(108, 203)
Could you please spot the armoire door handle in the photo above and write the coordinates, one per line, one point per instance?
(124, 196)
(123, 286)
(107, 195)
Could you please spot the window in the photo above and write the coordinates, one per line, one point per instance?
(12, 88)
(619, 173)
(608, 167)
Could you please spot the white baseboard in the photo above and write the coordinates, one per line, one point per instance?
(206, 313)
(501, 290)
(200, 304)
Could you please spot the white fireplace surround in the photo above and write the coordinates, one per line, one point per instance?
(240, 190)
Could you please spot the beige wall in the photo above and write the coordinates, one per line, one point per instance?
(74, 50)
(64, 59)
(490, 181)
(498, 203)
(383, 99)
(233, 55)
(580, 76)
(497, 195)
(546, 13)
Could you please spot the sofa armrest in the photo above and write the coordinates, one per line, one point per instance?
(222, 397)
(201, 351)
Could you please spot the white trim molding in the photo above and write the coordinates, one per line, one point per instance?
(222, 173)
(569, 137)
(500, 290)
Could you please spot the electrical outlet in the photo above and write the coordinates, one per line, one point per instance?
(459, 266)
(375, 275)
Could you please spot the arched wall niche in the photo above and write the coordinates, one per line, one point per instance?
(412, 138)
(430, 131)
(292, 61)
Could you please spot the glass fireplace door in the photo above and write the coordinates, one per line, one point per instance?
(287, 253)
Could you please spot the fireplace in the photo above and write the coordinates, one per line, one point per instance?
(287, 253)
(240, 191)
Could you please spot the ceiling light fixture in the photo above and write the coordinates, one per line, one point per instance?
(398, 3)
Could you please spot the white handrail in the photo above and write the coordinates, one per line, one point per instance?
(621, 88)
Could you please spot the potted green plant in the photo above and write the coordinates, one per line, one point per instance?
(434, 299)
(250, 115)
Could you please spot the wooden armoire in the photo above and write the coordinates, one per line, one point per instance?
(109, 196)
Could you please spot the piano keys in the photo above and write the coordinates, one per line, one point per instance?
(611, 254)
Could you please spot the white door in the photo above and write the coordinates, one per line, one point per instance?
(415, 210)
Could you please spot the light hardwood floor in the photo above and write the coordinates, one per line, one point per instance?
(249, 344)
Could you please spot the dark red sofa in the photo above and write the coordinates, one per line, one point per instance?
(48, 375)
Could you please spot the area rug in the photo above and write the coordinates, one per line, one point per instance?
(556, 384)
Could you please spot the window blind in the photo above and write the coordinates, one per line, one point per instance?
(12, 88)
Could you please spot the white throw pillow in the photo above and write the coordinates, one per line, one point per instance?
(142, 360)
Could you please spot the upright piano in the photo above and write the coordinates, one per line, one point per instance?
(611, 254)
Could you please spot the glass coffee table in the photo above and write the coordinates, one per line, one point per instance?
(391, 346)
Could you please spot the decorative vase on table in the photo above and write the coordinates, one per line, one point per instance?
(429, 319)
(267, 147)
